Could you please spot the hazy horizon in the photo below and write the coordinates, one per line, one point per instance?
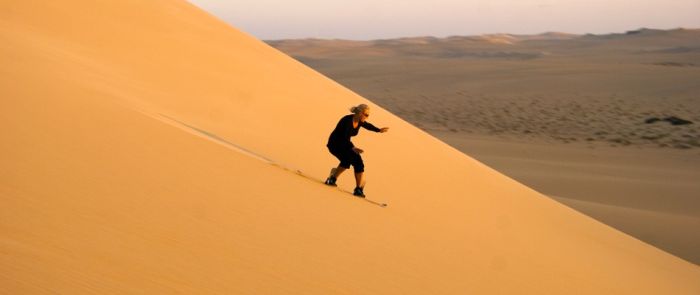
(367, 20)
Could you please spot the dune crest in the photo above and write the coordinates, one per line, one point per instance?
(129, 166)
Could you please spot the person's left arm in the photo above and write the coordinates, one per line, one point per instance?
(369, 126)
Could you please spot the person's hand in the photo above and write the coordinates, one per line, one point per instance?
(357, 150)
(385, 129)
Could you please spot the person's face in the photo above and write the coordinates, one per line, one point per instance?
(364, 115)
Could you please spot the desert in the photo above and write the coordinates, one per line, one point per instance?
(150, 147)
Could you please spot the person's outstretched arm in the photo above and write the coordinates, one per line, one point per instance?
(369, 126)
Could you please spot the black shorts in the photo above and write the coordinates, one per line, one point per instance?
(348, 157)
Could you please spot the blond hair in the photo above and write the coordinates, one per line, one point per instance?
(359, 108)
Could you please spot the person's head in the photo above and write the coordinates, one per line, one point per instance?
(361, 111)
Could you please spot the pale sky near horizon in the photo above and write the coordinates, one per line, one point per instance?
(377, 19)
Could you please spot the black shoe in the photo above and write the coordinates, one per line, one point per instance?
(331, 180)
(358, 192)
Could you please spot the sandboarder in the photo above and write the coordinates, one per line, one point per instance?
(341, 147)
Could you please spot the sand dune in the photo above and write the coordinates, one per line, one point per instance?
(150, 148)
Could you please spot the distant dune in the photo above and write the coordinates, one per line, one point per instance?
(677, 40)
(150, 148)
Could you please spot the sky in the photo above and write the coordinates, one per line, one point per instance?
(382, 19)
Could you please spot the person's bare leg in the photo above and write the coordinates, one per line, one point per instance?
(338, 171)
(360, 179)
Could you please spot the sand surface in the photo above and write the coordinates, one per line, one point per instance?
(651, 194)
(564, 114)
(150, 148)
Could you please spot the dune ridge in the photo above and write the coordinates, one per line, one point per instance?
(100, 195)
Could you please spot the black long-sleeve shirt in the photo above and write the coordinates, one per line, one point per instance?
(340, 137)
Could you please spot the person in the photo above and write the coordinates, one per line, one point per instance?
(341, 147)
